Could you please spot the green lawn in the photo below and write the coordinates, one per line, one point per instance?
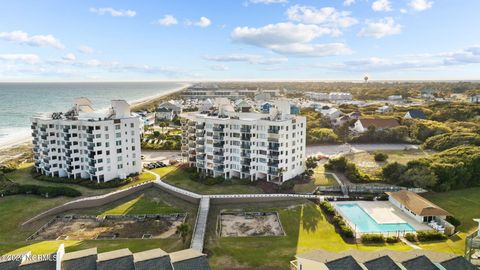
(181, 178)
(366, 162)
(23, 176)
(319, 178)
(12, 235)
(306, 229)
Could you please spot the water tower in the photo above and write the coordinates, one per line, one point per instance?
(365, 79)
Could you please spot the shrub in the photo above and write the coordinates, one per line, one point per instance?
(338, 220)
(373, 238)
(424, 236)
(411, 237)
(327, 208)
(380, 157)
(210, 181)
(446, 141)
(84, 182)
(337, 164)
(8, 167)
(392, 239)
(346, 232)
(173, 162)
(454, 221)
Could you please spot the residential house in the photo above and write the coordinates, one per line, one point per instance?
(262, 96)
(475, 99)
(164, 114)
(415, 114)
(385, 109)
(294, 109)
(395, 98)
(265, 107)
(330, 112)
(361, 125)
(242, 105)
(173, 105)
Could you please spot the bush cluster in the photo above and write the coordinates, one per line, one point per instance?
(380, 157)
(86, 182)
(337, 220)
(350, 170)
(8, 187)
(373, 239)
(424, 236)
(411, 237)
(446, 141)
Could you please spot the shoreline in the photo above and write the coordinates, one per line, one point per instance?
(24, 139)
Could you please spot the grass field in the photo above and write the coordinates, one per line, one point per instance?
(23, 176)
(180, 178)
(319, 178)
(150, 201)
(366, 162)
(306, 229)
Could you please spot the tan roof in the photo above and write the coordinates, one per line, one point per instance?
(119, 253)
(417, 203)
(379, 123)
(185, 254)
(149, 254)
(79, 254)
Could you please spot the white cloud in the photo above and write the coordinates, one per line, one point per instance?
(348, 2)
(85, 49)
(382, 5)
(35, 40)
(290, 39)
(403, 11)
(268, 2)
(114, 12)
(203, 22)
(381, 28)
(168, 20)
(21, 58)
(249, 58)
(69, 57)
(326, 16)
(420, 5)
(219, 67)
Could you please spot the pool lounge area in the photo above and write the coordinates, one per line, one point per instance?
(377, 217)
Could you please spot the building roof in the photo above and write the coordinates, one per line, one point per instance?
(417, 114)
(163, 109)
(417, 204)
(382, 263)
(189, 259)
(385, 259)
(458, 263)
(79, 254)
(345, 263)
(152, 259)
(80, 260)
(379, 123)
(419, 263)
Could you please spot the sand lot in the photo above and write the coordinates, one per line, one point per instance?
(104, 228)
(250, 224)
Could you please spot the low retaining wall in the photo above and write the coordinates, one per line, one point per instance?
(259, 199)
(91, 201)
(179, 193)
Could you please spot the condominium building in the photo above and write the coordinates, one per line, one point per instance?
(83, 143)
(246, 145)
(202, 91)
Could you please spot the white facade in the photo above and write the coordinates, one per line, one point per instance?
(395, 97)
(245, 145)
(333, 96)
(82, 143)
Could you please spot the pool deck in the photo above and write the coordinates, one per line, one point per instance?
(383, 212)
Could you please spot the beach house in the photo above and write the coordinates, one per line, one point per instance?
(361, 125)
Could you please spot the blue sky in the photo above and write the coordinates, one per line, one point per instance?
(239, 40)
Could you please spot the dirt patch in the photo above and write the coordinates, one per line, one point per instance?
(250, 224)
(109, 227)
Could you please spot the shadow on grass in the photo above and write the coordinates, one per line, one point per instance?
(310, 219)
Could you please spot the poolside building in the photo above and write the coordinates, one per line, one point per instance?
(246, 145)
(416, 206)
(88, 144)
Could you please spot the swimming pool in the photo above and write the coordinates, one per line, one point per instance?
(366, 224)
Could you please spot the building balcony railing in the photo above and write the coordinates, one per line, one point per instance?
(200, 158)
(273, 163)
(218, 160)
(218, 153)
(217, 128)
(274, 131)
(200, 126)
(245, 146)
(218, 145)
(200, 149)
(192, 159)
(245, 130)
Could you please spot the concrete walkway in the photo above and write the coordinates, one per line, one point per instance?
(198, 237)
(409, 243)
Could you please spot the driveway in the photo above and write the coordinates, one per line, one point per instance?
(153, 155)
(341, 149)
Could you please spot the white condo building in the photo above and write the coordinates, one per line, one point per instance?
(246, 145)
(83, 143)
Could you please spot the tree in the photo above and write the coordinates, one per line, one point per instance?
(311, 163)
(422, 177)
(380, 157)
(183, 230)
(163, 125)
(393, 171)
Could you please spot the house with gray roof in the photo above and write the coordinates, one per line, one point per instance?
(121, 259)
(80, 260)
(152, 259)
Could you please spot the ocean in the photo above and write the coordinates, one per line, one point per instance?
(19, 101)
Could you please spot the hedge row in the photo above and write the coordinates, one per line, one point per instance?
(7, 187)
(84, 182)
(338, 221)
(379, 239)
(425, 236)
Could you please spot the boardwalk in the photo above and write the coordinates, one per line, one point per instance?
(198, 237)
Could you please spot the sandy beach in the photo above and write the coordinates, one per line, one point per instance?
(23, 140)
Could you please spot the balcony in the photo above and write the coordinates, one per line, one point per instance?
(192, 159)
(219, 145)
(200, 158)
(92, 171)
(245, 170)
(245, 130)
(43, 137)
(220, 168)
(217, 128)
(218, 153)
(273, 147)
(218, 160)
(200, 126)
(200, 142)
(273, 163)
(218, 138)
(200, 149)
(245, 146)
(274, 131)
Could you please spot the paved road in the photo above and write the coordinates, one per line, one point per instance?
(340, 149)
(153, 155)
